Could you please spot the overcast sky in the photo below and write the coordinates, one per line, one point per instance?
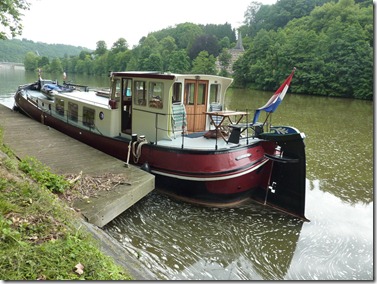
(85, 22)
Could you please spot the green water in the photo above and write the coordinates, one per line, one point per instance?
(178, 241)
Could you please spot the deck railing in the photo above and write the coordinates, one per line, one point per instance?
(249, 132)
(183, 134)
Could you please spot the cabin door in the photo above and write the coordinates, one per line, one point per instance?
(195, 101)
(126, 106)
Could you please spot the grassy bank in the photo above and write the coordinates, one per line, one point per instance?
(40, 235)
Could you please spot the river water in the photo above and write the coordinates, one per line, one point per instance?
(179, 241)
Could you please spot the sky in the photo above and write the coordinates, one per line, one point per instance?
(84, 23)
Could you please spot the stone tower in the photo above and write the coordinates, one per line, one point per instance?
(235, 53)
(239, 45)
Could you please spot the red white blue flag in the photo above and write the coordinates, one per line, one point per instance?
(276, 99)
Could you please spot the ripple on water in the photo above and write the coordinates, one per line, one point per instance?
(338, 242)
(180, 241)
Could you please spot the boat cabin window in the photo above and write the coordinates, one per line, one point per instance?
(177, 93)
(116, 89)
(127, 84)
(190, 91)
(156, 94)
(140, 93)
(202, 91)
(73, 111)
(88, 117)
(214, 93)
(59, 106)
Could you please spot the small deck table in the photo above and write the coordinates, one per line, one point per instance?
(233, 117)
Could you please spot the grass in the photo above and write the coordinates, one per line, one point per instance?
(40, 237)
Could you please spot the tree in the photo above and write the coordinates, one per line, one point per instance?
(119, 46)
(31, 61)
(250, 16)
(43, 61)
(151, 42)
(56, 66)
(185, 34)
(220, 31)
(153, 63)
(241, 69)
(204, 64)
(118, 61)
(132, 64)
(179, 62)
(224, 61)
(101, 48)
(167, 47)
(10, 17)
(273, 17)
(224, 43)
(69, 65)
(100, 65)
(85, 66)
(149, 46)
(83, 54)
(204, 42)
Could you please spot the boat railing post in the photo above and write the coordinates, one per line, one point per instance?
(247, 127)
(183, 131)
(156, 126)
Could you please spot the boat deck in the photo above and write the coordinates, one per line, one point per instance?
(202, 143)
(89, 96)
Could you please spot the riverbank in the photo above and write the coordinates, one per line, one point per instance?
(45, 238)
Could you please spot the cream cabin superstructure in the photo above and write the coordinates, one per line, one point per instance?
(158, 106)
(146, 102)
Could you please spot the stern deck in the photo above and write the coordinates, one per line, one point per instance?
(202, 143)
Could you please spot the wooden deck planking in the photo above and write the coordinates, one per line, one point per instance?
(65, 155)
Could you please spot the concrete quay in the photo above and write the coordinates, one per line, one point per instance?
(65, 155)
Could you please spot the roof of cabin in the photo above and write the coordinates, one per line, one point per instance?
(167, 76)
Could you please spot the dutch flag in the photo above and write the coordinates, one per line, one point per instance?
(276, 99)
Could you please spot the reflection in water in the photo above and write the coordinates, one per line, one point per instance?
(178, 241)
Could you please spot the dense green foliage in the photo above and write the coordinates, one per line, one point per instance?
(174, 49)
(15, 50)
(330, 42)
(273, 17)
(10, 17)
(332, 49)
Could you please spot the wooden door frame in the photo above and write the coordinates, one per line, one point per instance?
(196, 120)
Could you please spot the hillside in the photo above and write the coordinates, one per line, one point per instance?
(14, 50)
